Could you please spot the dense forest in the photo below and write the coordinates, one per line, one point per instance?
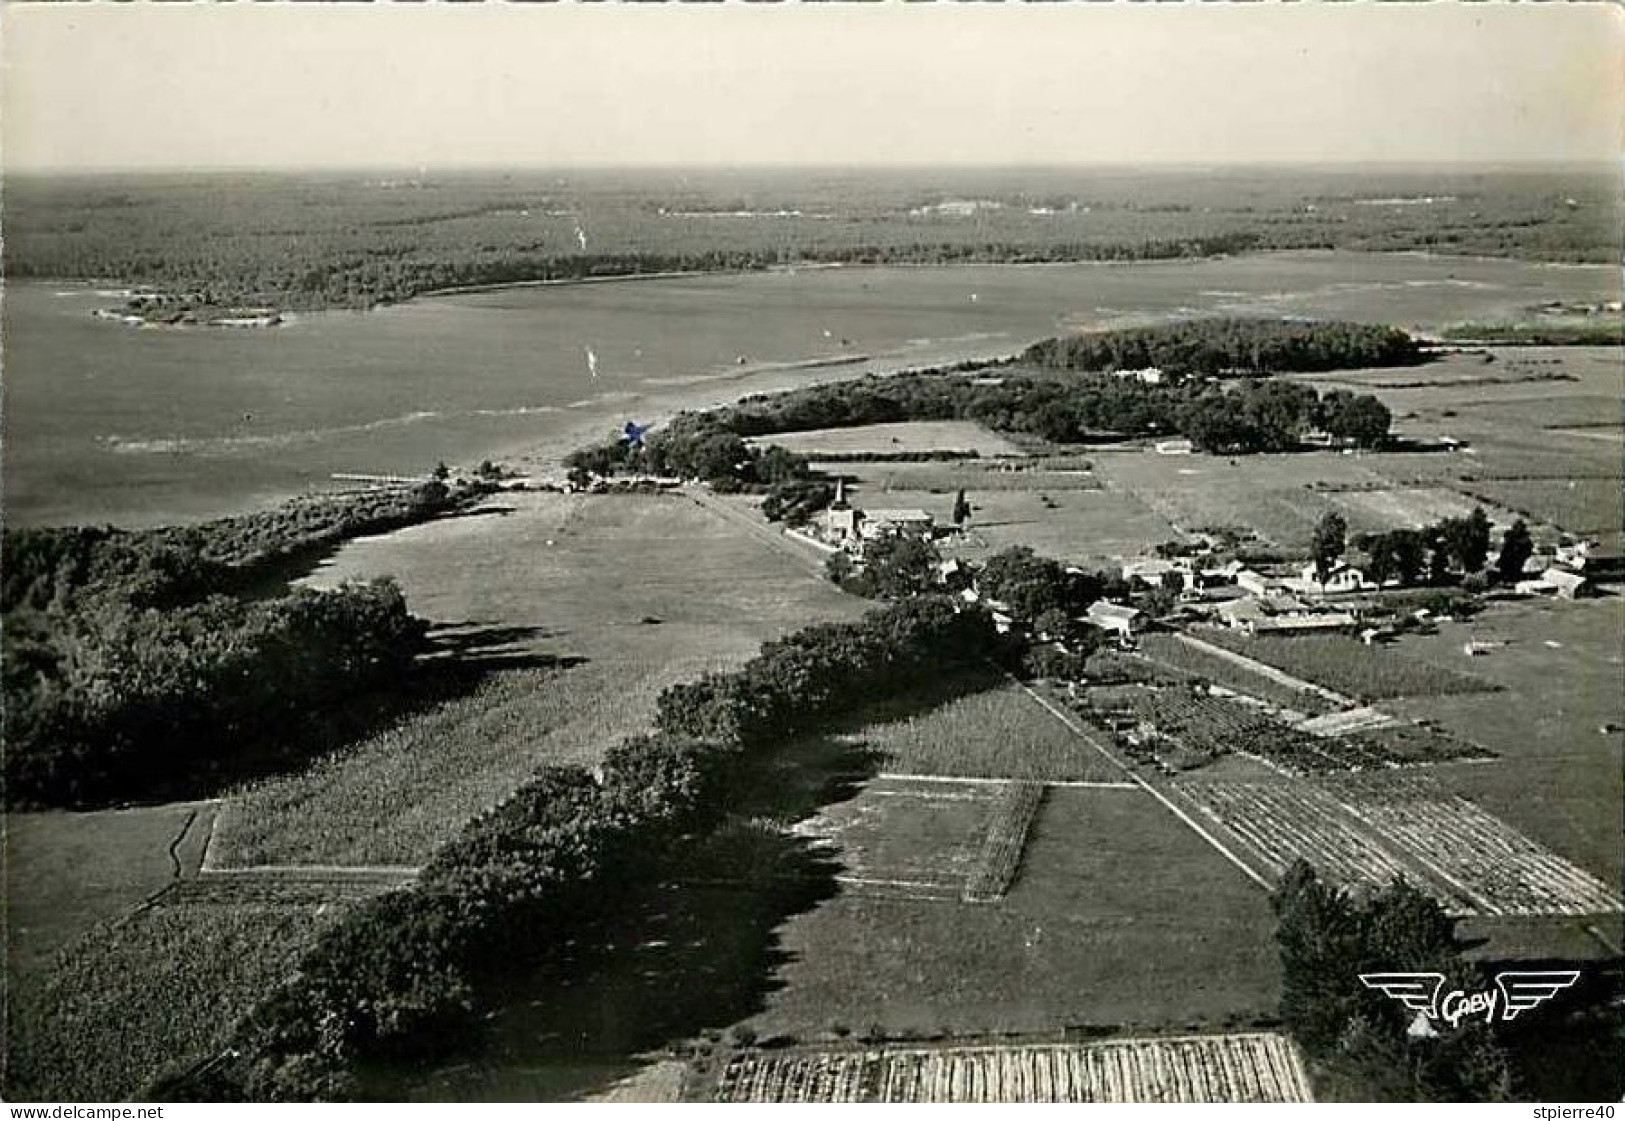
(400, 976)
(134, 658)
(1229, 346)
(310, 241)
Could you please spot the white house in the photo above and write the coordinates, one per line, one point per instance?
(1341, 577)
(1256, 582)
(1151, 570)
(1554, 581)
(1121, 619)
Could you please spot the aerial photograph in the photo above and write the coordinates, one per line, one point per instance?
(812, 553)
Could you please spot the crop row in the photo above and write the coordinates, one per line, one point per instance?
(1367, 830)
(1014, 809)
(1235, 1068)
(1502, 871)
(1286, 821)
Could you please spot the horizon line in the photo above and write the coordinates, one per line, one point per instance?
(1616, 163)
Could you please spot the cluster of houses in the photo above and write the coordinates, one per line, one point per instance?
(1569, 570)
(1247, 600)
(846, 527)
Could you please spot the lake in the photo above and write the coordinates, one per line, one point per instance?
(138, 426)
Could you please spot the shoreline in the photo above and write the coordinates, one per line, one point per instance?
(821, 266)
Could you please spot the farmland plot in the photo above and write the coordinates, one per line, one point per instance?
(1345, 665)
(1169, 652)
(1259, 1067)
(907, 838)
(1286, 821)
(996, 733)
(1477, 855)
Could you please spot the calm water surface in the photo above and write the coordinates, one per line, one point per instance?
(136, 426)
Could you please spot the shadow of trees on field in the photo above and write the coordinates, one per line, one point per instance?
(691, 953)
(452, 662)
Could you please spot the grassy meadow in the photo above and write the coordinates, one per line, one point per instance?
(895, 439)
(1347, 666)
(1121, 916)
(583, 609)
(67, 872)
(1558, 775)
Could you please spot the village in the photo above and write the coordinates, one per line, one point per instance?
(1202, 581)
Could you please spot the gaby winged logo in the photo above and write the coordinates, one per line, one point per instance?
(1514, 992)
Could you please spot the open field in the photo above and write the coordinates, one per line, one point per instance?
(892, 439)
(1121, 915)
(1584, 506)
(1559, 778)
(631, 593)
(997, 733)
(1084, 526)
(66, 872)
(1342, 664)
(153, 994)
(1258, 1067)
(1374, 511)
(1530, 418)
(1268, 494)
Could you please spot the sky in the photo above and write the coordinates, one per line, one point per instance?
(195, 86)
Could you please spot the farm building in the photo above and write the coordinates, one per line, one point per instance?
(1251, 580)
(1554, 581)
(1279, 614)
(1224, 574)
(1120, 619)
(1595, 561)
(1151, 570)
(1151, 375)
(1341, 577)
(875, 523)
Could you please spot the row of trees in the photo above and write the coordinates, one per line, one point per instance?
(1231, 346)
(397, 977)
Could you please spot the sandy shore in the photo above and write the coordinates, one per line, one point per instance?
(599, 421)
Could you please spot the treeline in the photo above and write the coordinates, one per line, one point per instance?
(1244, 416)
(114, 700)
(52, 565)
(398, 977)
(136, 659)
(337, 241)
(1231, 346)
